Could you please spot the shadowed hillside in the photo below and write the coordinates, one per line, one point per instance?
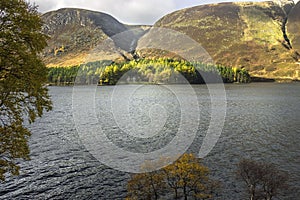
(293, 27)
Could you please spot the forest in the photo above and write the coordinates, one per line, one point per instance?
(147, 71)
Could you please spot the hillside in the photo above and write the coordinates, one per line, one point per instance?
(261, 37)
(78, 36)
(245, 35)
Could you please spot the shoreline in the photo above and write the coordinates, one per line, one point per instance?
(253, 80)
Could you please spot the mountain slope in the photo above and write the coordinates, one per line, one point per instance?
(245, 35)
(262, 37)
(78, 36)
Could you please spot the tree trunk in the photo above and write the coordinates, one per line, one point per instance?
(252, 192)
(185, 193)
(176, 193)
(268, 197)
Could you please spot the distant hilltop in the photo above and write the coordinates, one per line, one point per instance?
(262, 37)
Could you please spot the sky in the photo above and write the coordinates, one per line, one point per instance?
(126, 11)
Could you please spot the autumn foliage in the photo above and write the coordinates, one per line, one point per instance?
(185, 179)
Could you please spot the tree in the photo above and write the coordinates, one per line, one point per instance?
(22, 77)
(186, 178)
(263, 180)
(146, 186)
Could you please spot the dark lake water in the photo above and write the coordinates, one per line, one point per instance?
(262, 123)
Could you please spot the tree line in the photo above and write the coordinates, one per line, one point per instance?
(155, 71)
(187, 178)
(82, 74)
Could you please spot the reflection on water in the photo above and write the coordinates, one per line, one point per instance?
(262, 123)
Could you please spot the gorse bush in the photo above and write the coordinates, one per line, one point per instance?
(155, 71)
